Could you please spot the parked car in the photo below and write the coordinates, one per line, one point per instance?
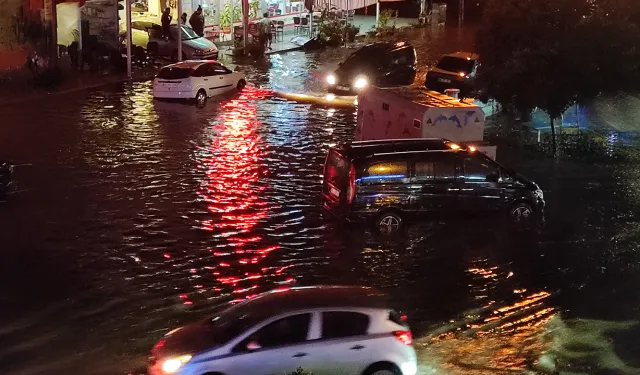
(390, 181)
(454, 71)
(196, 79)
(326, 330)
(380, 64)
(194, 47)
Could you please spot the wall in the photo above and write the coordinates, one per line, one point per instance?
(12, 54)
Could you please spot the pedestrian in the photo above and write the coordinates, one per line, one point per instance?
(266, 31)
(183, 18)
(197, 21)
(166, 21)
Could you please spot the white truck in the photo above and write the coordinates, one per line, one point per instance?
(414, 112)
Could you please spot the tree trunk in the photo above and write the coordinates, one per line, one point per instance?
(553, 135)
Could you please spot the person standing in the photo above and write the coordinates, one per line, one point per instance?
(197, 21)
(183, 18)
(266, 35)
(166, 21)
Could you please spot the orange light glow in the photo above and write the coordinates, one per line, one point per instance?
(454, 146)
(472, 149)
(461, 74)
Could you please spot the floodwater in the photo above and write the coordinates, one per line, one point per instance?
(132, 217)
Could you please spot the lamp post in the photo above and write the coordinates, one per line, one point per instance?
(179, 30)
(129, 38)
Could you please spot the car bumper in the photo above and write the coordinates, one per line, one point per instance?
(157, 94)
(434, 83)
(210, 56)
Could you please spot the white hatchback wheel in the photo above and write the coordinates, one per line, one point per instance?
(383, 372)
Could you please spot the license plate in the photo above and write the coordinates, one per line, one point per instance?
(170, 84)
(334, 191)
(345, 88)
(444, 80)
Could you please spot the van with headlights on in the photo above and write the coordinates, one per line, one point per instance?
(380, 64)
(388, 182)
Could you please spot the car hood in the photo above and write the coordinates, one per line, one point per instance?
(191, 339)
(526, 182)
(348, 73)
(200, 43)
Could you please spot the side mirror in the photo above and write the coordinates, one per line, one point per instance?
(493, 178)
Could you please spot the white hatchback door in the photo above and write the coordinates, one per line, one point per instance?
(280, 347)
(223, 79)
(343, 348)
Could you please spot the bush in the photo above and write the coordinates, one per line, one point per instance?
(350, 32)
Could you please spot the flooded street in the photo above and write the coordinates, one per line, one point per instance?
(133, 217)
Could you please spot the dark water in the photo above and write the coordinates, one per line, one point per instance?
(134, 217)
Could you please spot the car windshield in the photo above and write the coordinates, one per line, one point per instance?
(188, 33)
(174, 73)
(361, 57)
(232, 322)
(456, 64)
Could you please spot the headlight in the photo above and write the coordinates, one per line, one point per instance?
(360, 82)
(172, 365)
(331, 79)
(198, 52)
(539, 194)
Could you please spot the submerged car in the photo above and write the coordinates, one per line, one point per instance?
(326, 330)
(197, 80)
(380, 64)
(388, 182)
(454, 71)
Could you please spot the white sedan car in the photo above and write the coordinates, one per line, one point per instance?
(327, 330)
(197, 79)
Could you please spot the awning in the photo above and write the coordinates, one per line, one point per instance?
(39, 4)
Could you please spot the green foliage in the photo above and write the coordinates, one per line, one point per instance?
(555, 53)
(385, 17)
(330, 30)
(230, 14)
(254, 8)
(351, 31)
(300, 371)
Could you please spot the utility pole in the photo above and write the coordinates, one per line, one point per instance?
(129, 39)
(179, 30)
(53, 60)
(461, 15)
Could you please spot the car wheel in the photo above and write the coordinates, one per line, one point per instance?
(241, 84)
(383, 369)
(388, 222)
(201, 98)
(521, 213)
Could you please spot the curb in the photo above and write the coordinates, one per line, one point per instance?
(40, 95)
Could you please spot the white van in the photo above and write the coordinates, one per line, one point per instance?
(413, 112)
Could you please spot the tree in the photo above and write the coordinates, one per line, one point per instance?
(551, 54)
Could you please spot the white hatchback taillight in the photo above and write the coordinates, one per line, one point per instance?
(404, 337)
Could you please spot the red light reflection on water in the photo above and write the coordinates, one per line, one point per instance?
(231, 191)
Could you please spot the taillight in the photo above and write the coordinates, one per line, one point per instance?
(404, 337)
(351, 190)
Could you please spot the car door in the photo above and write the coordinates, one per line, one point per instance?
(385, 184)
(279, 347)
(403, 70)
(222, 79)
(343, 347)
(434, 186)
(482, 189)
(201, 78)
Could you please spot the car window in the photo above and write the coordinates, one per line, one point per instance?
(286, 331)
(477, 168)
(217, 70)
(402, 57)
(456, 64)
(436, 166)
(387, 171)
(336, 324)
(174, 73)
(202, 71)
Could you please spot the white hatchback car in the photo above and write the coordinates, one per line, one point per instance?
(196, 79)
(325, 330)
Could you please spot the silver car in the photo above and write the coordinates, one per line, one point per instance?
(194, 47)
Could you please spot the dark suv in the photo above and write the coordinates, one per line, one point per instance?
(390, 181)
(380, 64)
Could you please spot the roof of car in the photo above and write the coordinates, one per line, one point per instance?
(464, 55)
(192, 64)
(361, 149)
(323, 296)
(384, 47)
